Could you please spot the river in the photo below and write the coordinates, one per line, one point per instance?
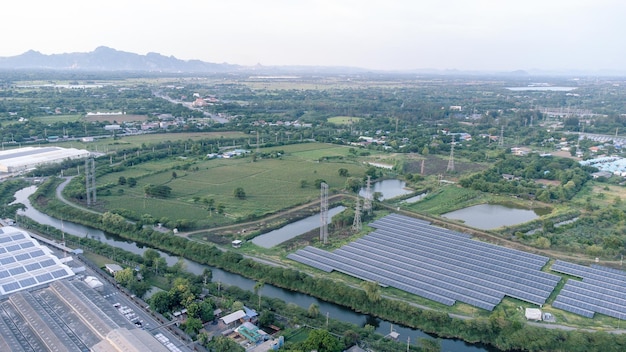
(334, 311)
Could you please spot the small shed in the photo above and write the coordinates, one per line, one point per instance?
(94, 283)
(237, 243)
(113, 268)
(533, 314)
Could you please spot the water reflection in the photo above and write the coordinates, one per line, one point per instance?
(388, 188)
(289, 231)
(491, 216)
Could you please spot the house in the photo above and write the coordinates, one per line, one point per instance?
(241, 316)
(113, 268)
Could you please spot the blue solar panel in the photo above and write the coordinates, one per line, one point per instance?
(7, 260)
(4, 239)
(18, 270)
(11, 286)
(21, 257)
(18, 236)
(32, 266)
(27, 282)
(44, 277)
(4, 274)
(47, 263)
(13, 248)
(59, 273)
(37, 253)
(27, 245)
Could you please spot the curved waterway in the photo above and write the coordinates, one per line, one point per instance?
(334, 311)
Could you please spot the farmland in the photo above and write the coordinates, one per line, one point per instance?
(270, 184)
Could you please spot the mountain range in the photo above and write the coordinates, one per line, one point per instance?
(108, 59)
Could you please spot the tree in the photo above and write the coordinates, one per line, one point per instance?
(132, 182)
(125, 276)
(322, 341)
(161, 301)
(224, 344)
(313, 311)
(191, 326)
(257, 291)
(121, 181)
(239, 193)
(174, 174)
(343, 172)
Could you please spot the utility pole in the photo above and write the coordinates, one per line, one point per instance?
(324, 213)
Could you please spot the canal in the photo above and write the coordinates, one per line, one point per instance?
(334, 311)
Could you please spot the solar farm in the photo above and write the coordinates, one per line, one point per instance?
(600, 291)
(438, 264)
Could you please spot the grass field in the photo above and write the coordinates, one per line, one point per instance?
(270, 185)
(57, 118)
(343, 120)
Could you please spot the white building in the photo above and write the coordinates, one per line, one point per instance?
(23, 159)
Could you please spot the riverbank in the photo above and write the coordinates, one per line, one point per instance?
(478, 329)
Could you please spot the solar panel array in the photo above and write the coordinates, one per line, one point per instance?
(435, 263)
(602, 290)
(25, 264)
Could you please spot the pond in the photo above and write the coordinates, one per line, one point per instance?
(334, 311)
(289, 231)
(492, 216)
(388, 188)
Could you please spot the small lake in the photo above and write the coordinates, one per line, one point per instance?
(289, 231)
(388, 188)
(542, 89)
(492, 216)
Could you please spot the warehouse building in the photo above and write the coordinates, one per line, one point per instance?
(45, 307)
(28, 158)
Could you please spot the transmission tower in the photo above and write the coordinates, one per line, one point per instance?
(90, 180)
(356, 224)
(501, 139)
(324, 213)
(367, 198)
(451, 160)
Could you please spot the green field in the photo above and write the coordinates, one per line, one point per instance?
(57, 118)
(270, 185)
(343, 120)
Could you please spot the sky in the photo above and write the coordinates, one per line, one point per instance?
(480, 35)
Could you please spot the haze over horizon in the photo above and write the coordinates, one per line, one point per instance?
(478, 35)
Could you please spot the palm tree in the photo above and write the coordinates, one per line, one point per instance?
(257, 288)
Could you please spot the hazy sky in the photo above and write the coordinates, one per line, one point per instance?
(389, 34)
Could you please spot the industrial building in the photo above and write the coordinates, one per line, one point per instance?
(28, 158)
(44, 306)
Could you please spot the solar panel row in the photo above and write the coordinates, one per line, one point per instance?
(588, 273)
(595, 304)
(572, 309)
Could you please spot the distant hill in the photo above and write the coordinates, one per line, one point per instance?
(108, 59)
